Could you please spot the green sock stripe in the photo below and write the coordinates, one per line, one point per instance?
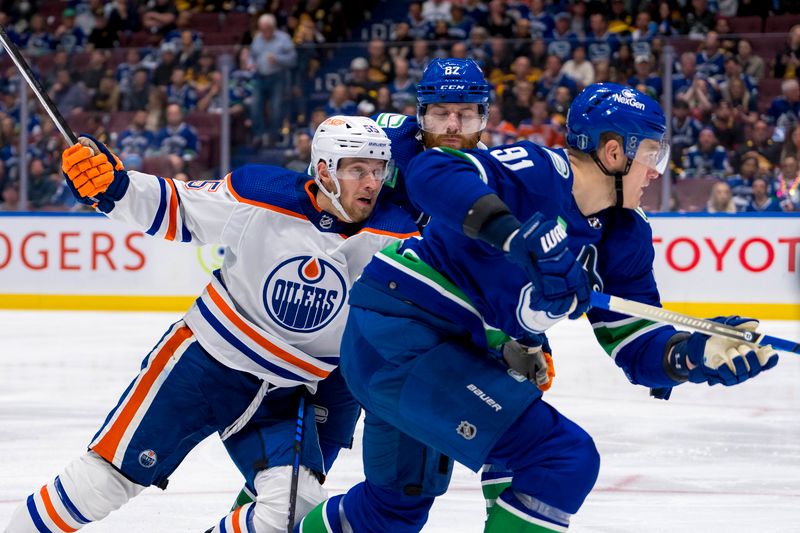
(492, 489)
(503, 518)
(314, 522)
(242, 499)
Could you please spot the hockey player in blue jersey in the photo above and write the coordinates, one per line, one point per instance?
(267, 326)
(424, 351)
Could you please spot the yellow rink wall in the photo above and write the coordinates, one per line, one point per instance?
(706, 265)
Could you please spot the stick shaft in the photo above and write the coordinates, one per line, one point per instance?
(708, 327)
(40, 93)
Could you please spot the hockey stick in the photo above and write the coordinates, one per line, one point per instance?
(298, 443)
(709, 327)
(47, 104)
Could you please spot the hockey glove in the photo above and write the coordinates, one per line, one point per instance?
(93, 172)
(560, 284)
(702, 358)
(533, 362)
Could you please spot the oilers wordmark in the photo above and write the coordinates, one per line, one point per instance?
(304, 293)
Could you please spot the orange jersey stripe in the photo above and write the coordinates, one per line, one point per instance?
(271, 207)
(390, 233)
(261, 341)
(173, 211)
(51, 512)
(107, 447)
(235, 520)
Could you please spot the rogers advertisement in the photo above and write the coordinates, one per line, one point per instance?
(699, 259)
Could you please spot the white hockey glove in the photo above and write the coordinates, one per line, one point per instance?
(532, 362)
(702, 358)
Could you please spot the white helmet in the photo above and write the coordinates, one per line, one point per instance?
(342, 136)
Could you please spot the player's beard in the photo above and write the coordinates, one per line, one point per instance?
(433, 140)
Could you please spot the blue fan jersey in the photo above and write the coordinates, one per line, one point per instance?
(467, 281)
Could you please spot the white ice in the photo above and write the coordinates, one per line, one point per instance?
(708, 460)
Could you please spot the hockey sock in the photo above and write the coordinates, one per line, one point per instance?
(243, 498)
(324, 518)
(494, 480)
(518, 513)
(87, 490)
(239, 520)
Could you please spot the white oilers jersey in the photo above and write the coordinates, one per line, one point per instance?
(277, 306)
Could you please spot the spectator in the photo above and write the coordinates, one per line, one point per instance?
(784, 110)
(177, 140)
(752, 65)
(189, 50)
(710, 60)
(96, 70)
(274, 54)
(521, 35)
(419, 27)
(381, 68)
(721, 199)
(538, 55)
(106, 98)
(540, 128)
(600, 43)
(698, 20)
(622, 61)
(498, 130)
(742, 184)
(787, 184)
(551, 79)
(401, 41)
(728, 130)
(402, 88)
(760, 140)
(359, 85)
(579, 68)
(643, 76)
(561, 40)
(68, 94)
(136, 142)
(476, 10)
(180, 92)
(201, 76)
(520, 71)
(791, 147)
(37, 40)
(299, 157)
(517, 105)
(135, 97)
(102, 36)
(70, 37)
(762, 202)
(156, 103)
(697, 95)
(460, 24)
(619, 18)
(339, 102)
(61, 60)
(160, 16)
(41, 188)
(420, 57)
(580, 24)
(541, 22)
(787, 60)
(434, 10)
(687, 72)
(383, 101)
(124, 71)
(124, 17)
(10, 196)
(741, 100)
(644, 31)
(706, 158)
(166, 64)
(499, 22)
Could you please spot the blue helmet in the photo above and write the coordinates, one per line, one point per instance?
(609, 107)
(452, 80)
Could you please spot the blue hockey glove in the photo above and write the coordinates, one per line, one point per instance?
(94, 173)
(702, 358)
(560, 283)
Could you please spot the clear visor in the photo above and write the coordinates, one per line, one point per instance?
(378, 169)
(440, 120)
(653, 154)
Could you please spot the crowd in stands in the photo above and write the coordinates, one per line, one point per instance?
(144, 77)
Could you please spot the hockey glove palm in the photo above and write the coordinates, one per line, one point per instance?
(93, 171)
(702, 358)
(560, 284)
(533, 362)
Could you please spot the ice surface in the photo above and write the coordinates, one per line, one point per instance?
(709, 459)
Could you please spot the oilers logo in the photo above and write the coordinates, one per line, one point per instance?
(148, 458)
(304, 294)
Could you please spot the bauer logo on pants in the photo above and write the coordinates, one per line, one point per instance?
(304, 294)
(466, 430)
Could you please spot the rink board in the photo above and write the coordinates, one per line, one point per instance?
(705, 265)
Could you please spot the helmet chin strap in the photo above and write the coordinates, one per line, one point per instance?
(333, 197)
(620, 195)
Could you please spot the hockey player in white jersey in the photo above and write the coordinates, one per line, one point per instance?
(267, 326)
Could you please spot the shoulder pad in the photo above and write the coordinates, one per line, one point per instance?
(266, 184)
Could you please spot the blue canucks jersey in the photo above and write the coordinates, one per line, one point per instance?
(467, 281)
